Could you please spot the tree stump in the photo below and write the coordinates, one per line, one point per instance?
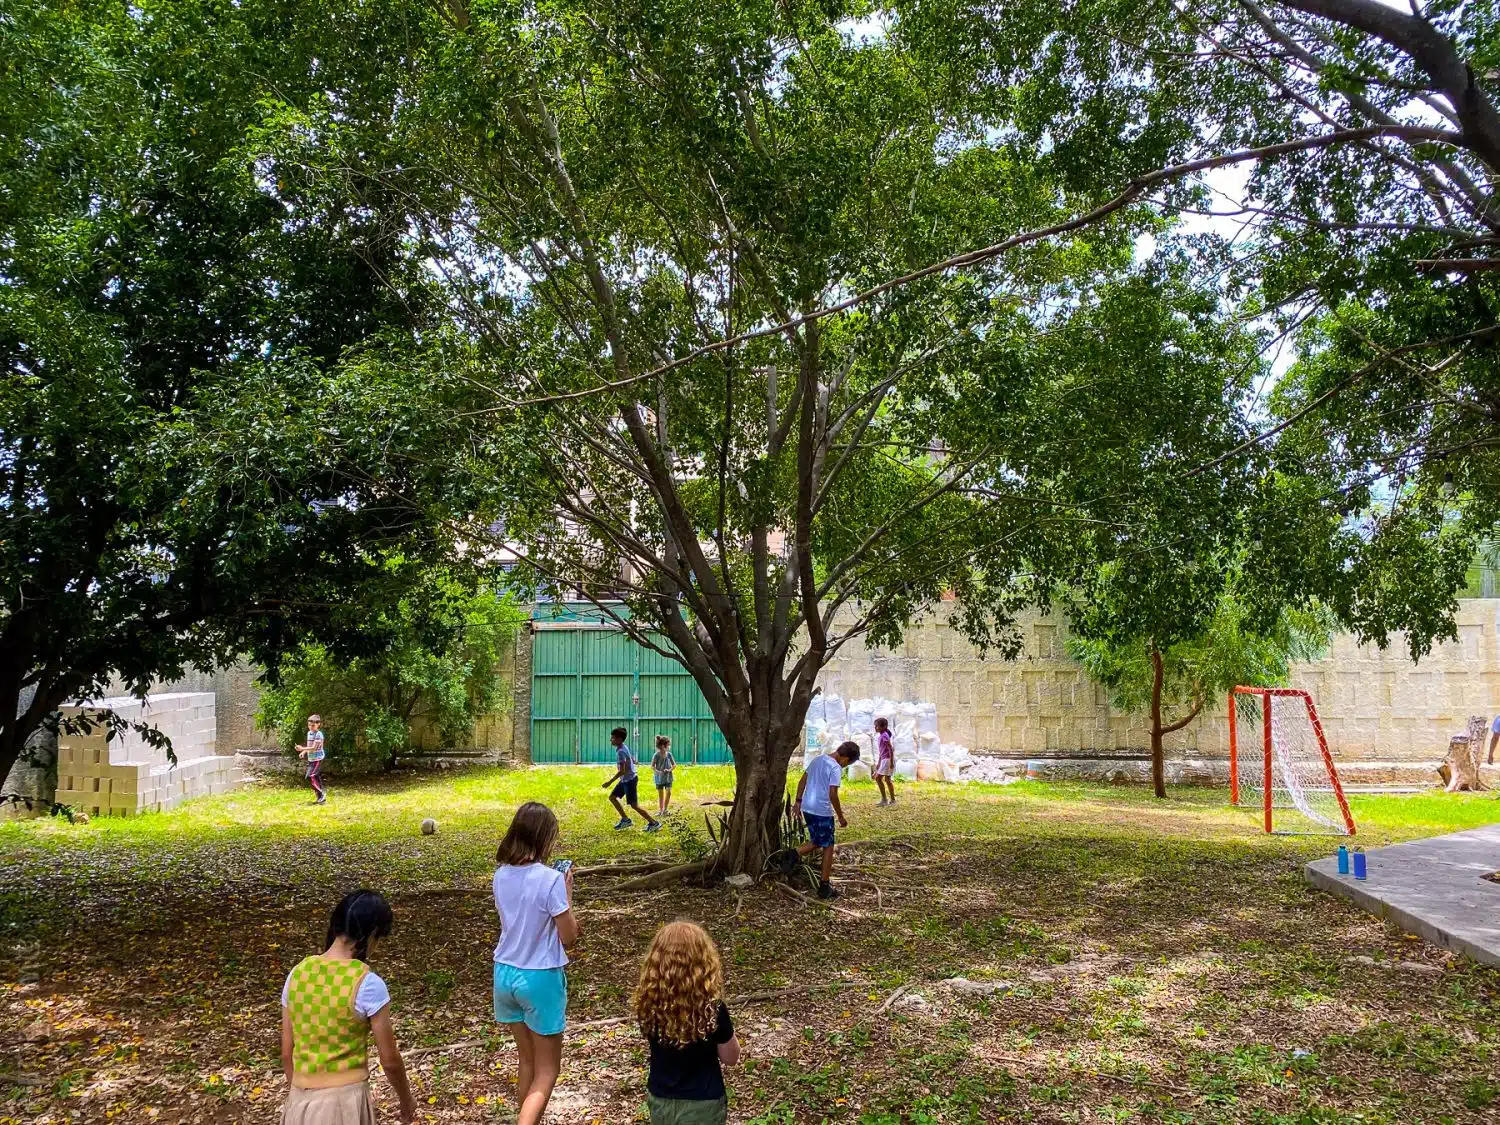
(1460, 770)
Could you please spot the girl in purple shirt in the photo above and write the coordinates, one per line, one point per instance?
(885, 763)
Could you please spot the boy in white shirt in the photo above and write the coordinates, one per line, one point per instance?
(818, 803)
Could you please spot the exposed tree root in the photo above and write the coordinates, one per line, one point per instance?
(663, 877)
(805, 900)
(638, 868)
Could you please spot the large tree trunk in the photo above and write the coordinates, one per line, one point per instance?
(23, 711)
(763, 743)
(1158, 758)
(1466, 755)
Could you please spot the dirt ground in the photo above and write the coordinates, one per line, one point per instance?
(1029, 953)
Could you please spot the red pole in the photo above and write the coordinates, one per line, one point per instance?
(1333, 773)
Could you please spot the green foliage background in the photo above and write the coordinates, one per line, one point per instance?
(440, 668)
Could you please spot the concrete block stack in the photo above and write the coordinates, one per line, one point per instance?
(127, 775)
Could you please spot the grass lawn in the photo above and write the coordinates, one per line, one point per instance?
(1156, 961)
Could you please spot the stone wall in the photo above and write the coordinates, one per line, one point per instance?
(238, 696)
(1374, 705)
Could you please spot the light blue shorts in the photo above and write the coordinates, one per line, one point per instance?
(536, 997)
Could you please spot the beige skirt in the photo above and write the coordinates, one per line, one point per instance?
(337, 1105)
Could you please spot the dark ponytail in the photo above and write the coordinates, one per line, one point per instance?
(359, 916)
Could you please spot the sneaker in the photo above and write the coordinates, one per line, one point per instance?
(321, 801)
(787, 860)
(654, 826)
(826, 891)
(880, 804)
(624, 822)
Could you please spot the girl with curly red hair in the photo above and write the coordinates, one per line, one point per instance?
(679, 1004)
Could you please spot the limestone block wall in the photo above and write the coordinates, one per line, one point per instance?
(237, 698)
(127, 775)
(1374, 705)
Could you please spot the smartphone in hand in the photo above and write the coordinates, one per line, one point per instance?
(563, 865)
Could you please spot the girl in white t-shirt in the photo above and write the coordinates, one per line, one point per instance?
(537, 927)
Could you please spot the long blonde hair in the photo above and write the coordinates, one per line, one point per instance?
(682, 982)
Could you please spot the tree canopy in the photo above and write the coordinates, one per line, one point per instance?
(432, 666)
(187, 471)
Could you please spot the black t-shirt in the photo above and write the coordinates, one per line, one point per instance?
(692, 1072)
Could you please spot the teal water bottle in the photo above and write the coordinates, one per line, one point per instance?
(1343, 859)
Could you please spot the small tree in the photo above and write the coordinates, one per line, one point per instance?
(1174, 680)
(433, 661)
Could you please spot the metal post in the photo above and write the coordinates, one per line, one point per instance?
(1234, 757)
(1265, 706)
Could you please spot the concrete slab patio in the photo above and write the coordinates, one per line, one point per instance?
(1435, 888)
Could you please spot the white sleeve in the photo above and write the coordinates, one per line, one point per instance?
(286, 989)
(557, 897)
(372, 996)
(837, 778)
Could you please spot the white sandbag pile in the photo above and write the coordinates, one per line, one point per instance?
(921, 754)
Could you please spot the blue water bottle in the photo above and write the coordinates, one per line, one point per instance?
(1343, 859)
(1359, 863)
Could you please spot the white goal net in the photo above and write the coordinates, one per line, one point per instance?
(1280, 765)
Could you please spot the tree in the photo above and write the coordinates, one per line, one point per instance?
(434, 661)
(1139, 382)
(1371, 257)
(710, 269)
(713, 284)
(1175, 681)
(185, 474)
(645, 222)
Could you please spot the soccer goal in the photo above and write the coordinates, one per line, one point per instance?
(1282, 766)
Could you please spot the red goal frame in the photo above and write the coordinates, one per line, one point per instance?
(1266, 782)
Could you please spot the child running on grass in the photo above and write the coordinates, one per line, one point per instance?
(312, 752)
(679, 1005)
(626, 784)
(818, 803)
(885, 763)
(537, 928)
(331, 1005)
(662, 767)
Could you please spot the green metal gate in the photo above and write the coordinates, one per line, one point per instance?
(588, 678)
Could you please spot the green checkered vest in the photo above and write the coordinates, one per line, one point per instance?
(328, 1035)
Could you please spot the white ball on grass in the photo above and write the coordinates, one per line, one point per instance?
(429, 826)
